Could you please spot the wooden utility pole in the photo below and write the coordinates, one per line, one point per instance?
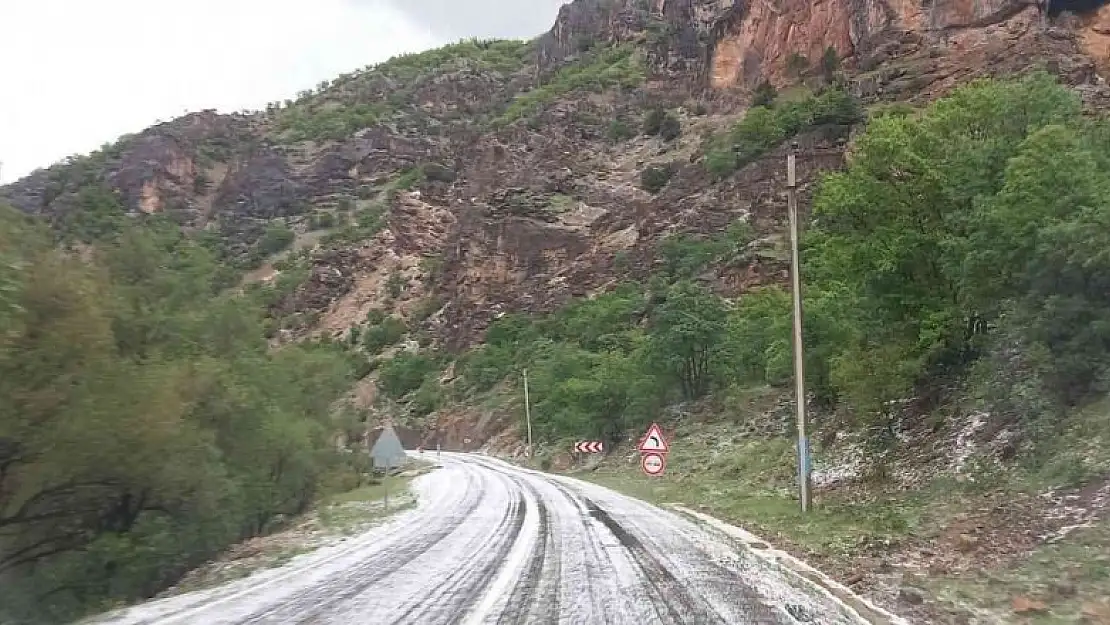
(799, 350)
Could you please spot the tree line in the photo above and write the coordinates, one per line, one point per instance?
(145, 424)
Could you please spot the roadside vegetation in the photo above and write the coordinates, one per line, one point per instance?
(145, 425)
(334, 517)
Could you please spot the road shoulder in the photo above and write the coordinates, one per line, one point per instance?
(788, 564)
(336, 518)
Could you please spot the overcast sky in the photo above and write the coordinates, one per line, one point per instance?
(79, 73)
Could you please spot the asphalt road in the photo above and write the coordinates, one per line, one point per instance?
(492, 543)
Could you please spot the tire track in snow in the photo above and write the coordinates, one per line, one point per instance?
(525, 602)
(491, 543)
(309, 604)
(462, 588)
(526, 597)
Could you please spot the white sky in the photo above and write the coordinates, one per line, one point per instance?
(79, 73)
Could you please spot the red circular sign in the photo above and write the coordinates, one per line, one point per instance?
(653, 464)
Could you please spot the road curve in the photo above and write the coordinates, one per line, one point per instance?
(493, 543)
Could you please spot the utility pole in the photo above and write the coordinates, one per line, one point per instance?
(799, 350)
(527, 413)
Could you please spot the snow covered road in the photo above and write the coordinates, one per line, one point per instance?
(493, 543)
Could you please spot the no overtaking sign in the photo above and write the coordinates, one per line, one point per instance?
(653, 451)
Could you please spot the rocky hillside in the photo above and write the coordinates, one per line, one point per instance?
(574, 204)
(454, 186)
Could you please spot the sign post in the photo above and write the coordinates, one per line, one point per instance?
(653, 464)
(653, 450)
(589, 447)
(387, 452)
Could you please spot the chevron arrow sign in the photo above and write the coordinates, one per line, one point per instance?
(589, 447)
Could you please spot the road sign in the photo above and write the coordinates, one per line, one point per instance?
(653, 441)
(589, 447)
(388, 453)
(653, 464)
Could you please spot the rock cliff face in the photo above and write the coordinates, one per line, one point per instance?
(725, 43)
(438, 195)
(174, 167)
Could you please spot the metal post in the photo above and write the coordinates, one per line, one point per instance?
(528, 413)
(799, 350)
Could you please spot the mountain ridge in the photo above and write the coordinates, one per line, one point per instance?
(444, 219)
(505, 176)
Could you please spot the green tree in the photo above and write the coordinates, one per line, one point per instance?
(910, 230)
(620, 131)
(383, 334)
(144, 424)
(95, 213)
(759, 337)
(687, 337)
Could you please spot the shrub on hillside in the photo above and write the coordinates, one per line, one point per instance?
(435, 172)
(830, 62)
(765, 94)
(406, 372)
(619, 130)
(322, 221)
(653, 121)
(762, 128)
(383, 334)
(797, 64)
(659, 122)
(655, 177)
(600, 69)
(671, 128)
(276, 238)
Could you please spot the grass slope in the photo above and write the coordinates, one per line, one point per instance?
(1017, 543)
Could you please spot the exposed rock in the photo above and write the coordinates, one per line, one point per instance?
(911, 596)
(1024, 605)
(262, 186)
(967, 543)
(1096, 613)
